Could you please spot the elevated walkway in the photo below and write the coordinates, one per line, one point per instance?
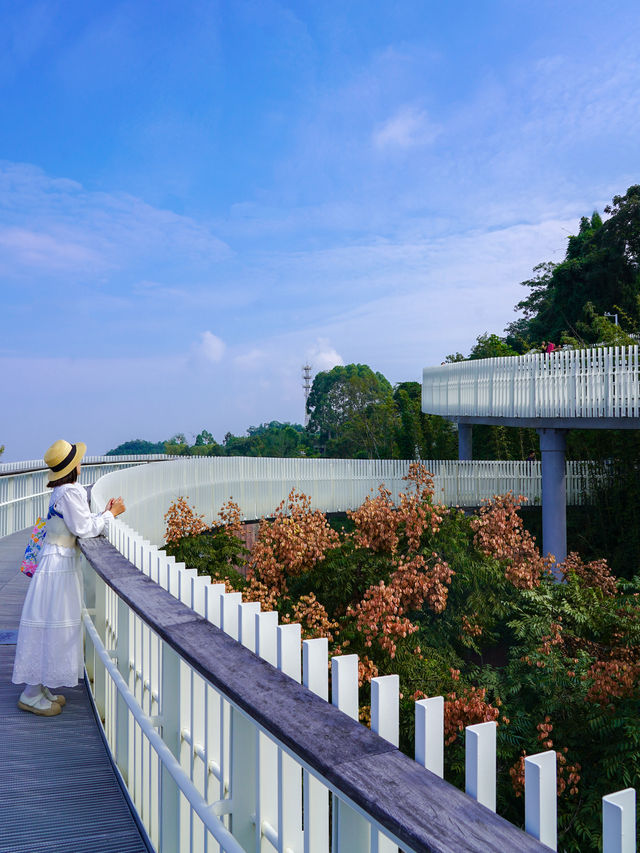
(58, 788)
(596, 388)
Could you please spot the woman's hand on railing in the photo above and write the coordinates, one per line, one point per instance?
(115, 506)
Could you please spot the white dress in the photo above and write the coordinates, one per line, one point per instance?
(49, 647)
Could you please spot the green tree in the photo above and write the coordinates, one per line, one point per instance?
(137, 447)
(351, 412)
(177, 445)
(205, 445)
(418, 435)
(491, 346)
(600, 274)
(268, 439)
(279, 439)
(203, 438)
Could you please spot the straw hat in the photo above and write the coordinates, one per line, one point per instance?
(63, 457)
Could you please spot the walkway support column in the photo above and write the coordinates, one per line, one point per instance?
(465, 442)
(554, 494)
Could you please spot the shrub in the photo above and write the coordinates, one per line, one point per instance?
(463, 607)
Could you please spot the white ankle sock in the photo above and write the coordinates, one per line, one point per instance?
(32, 690)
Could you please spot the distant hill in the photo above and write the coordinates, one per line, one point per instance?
(137, 447)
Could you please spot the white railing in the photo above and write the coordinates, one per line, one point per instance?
(24, 495)
(184, 747)
(259, 484)
(217, 762)
(586, 383)
(37, 464)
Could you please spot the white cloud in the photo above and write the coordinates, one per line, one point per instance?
(323, 356)
(408, 128)
(210, 347)
(250, 360)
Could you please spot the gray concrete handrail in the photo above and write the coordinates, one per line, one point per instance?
(418, 809)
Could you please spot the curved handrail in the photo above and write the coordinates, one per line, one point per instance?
(334, 485)
(23, 486)
(29, 465)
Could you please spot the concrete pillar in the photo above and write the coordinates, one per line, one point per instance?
(464, 442)
(554, 494)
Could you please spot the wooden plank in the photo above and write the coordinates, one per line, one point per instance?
(58, 790)
(13, 584)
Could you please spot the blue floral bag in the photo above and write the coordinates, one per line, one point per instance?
(34, 546)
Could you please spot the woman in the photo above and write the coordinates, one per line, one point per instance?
(49, 648)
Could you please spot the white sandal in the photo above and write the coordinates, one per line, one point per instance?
(54, 697)
(39, 705)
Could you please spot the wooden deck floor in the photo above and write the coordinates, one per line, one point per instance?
(58, 789)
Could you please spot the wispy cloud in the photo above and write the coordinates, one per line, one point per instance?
(45, 220)
(409, 127)
(26, 250)
(250, 360)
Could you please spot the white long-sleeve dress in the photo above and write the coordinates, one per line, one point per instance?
(49, 647)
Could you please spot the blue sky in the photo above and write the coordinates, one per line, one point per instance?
(198, 197)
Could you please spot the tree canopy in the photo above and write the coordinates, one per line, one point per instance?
(351, 412)
(600, 275)
(137, 447)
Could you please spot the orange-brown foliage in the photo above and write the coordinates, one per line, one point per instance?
(376, 523)
(596, 573)
(613, 678)
(313, 618)
(568, 775)
(380, 525)
(466, 709)
(499, 533)
(182, 520)
(230, 517)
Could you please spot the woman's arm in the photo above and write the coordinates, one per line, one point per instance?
(77, 515)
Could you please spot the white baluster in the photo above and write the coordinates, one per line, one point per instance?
(230, 603)
(429, 750)
(385, 721)
(315, 676)
(619, 822)
(289, 771)
(315, 673)
(213, 603)
(344, 684)
(350, 829)
(540, 797)
(247, 615)
(480, 763)
(385, 704)
(266, 625)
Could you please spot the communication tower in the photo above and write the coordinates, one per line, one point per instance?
(306, 385)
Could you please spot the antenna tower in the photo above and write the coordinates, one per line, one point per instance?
(306, 385)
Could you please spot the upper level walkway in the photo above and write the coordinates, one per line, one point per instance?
(58, 788)
(595, 388)
(568, 389)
